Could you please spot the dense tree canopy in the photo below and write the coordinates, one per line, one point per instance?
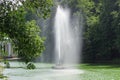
(101, 29)
(102, 32)
(25, 34)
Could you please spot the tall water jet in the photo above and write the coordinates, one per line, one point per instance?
(67, 38)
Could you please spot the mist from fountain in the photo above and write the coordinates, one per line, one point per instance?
(67, 38)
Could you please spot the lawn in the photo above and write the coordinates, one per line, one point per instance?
(100, 72)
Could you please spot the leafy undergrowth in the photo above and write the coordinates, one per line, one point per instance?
(3, 77)
(100, 72)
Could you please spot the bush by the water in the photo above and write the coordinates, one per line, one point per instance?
(1, 69)
(1, 73)
(7, 64)
(30, 65)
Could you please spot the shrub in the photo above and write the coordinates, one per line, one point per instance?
(30, 65)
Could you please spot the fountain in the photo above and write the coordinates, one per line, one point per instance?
(67, 41)
(67, 52)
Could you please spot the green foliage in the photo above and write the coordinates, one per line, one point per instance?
(1, 69)
(102, 31)
(1, 73)
(7, 64)
(41, 7)
(32, 43)
(30, 65)
(102, 35)
(24, 34)
(3, 77)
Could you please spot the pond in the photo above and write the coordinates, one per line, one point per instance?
(42, 72)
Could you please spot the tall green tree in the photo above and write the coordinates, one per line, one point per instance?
(90, 10)
(101, 35)
(24, 34)
(116, 24)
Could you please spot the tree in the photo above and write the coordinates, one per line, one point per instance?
(90, 10)
(25, 35)
(116, 23)
(101, 35)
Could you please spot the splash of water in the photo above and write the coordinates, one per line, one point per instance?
(67, 40)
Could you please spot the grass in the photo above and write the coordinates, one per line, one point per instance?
(100, 72)
(1, 74)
